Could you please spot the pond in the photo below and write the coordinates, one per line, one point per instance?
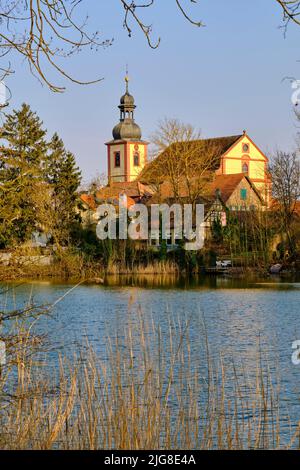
(240, 318)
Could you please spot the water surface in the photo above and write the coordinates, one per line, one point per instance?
(236, 315)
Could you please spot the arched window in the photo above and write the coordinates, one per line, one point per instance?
(136, 159)
(245, 168)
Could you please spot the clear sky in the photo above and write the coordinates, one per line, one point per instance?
(222, 79)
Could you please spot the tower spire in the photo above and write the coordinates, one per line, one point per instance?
(127, 79)
(127, 128)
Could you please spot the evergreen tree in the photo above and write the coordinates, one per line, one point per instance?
(64, 178)
(20, 174)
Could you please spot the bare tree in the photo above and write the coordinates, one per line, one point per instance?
(183, 160)
(94, 184)
(285, 171)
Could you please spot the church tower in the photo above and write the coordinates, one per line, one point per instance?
(127, 152)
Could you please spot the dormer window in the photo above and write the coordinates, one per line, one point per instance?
(243, 194)
(117, 160)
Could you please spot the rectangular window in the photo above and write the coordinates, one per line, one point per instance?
(136, 159)
(243, 194)
(117, 160)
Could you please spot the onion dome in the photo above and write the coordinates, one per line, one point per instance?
(127, 129)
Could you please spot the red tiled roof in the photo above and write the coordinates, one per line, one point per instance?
(226, 184)
(89, 200)
(199, 148)
(133, 189)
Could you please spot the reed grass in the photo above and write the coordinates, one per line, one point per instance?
(152, 267)
(75, 265)
(145, 392)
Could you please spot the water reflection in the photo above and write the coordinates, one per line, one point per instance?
(167, 281)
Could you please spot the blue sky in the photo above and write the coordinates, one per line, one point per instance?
(222, 79)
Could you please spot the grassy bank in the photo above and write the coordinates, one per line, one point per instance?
(82, 270)
(119, 259)
(76, 265)
(79, 268)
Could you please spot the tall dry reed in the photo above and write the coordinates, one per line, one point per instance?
(145, 392)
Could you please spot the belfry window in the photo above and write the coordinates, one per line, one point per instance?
(245, 168)
(136, 159)
(117, 159)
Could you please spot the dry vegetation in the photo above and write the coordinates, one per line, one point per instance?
(151, 268)
(145, 393)
(77, 267)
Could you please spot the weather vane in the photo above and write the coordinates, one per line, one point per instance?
(127, 78)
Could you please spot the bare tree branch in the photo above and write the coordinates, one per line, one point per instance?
(183, 160)
(131, 10)
(291, 10)
(42, 31)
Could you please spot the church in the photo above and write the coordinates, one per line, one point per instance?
(239, 181)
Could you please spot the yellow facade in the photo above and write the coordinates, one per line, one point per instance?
(238, 159)
(141, 150)
(126, 160)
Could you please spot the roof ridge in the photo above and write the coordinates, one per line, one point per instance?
(238, 136)
(224, 137)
